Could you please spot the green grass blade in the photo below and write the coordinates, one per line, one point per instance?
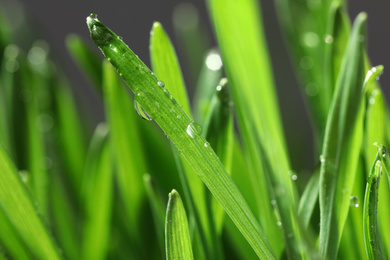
(209, 76)
(157, 210)
(218, 129)
(86, 58)
(166, 67)
(371, 237)
(125, 145)
(177, 235)
(21, 211)
(342, 142)
(10, 240)
(183, 132)
(242, 43)
(309, 198)
(98, 184)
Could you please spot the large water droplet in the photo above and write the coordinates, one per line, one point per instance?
(294, 177)
(160, 83)
(354, 202)
(194, 129)
(141, 111)
(322, 158)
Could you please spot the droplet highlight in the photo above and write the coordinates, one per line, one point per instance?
(194, 130)
(141, 111)
(160, 83)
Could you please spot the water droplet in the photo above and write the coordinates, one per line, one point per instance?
(120, 38)
(93, 16)
(166, 92)
(311, 89)
(194, 129)
(160, 83)
(310, 39)
(329, 39)
(24, 176)
(206, 144)
(279, 223)
(214, 61)
(37, 55)
(294, 177)
(273, 202)
(219, 88)
(140, 110)
(322, 158)
(354, 202)
(306, 63)
(44, 123)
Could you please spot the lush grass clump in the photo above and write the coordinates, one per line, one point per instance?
(66, 194)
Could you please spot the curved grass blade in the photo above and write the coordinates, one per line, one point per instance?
(342, 143)
(177, 235)
(98, 194)
(309, 198)
(125, 145)
(22, 213)
(166, 67)
(86, 58)
(371, 236)
(183, 132)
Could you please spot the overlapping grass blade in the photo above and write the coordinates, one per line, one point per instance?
(342, 143)
(98, 195)
(309, 198)
(166, 67)
(242, 44)
(177, 235)
(22, 213)
(125, 147)
(218, 130)
(184, 133)
(157, 210)
(371, 236)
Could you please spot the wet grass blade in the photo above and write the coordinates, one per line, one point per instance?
(166, 67)
(86, 58)
(177, 235)
(370, 226)
(125, 146)
(20, 208)
(342, 143)
(183, 132)
(98, 194)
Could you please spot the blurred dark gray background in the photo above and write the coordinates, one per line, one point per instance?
(54, 20)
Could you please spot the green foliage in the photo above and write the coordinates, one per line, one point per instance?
(67, 193)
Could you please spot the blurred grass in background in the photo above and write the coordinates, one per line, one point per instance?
(68, 191)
